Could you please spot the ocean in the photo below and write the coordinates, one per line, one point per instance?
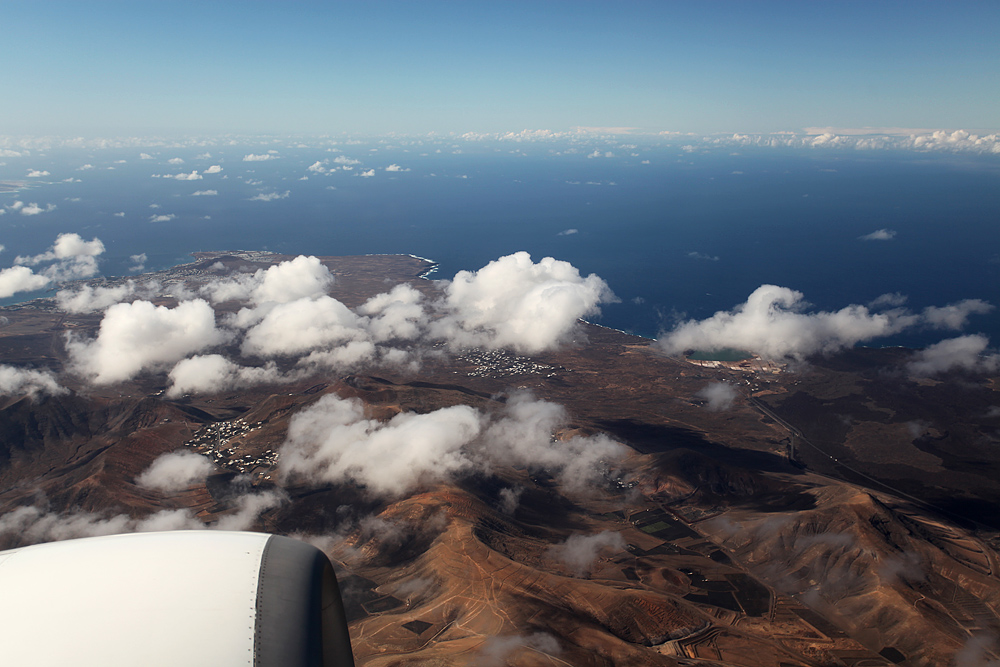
(676, 233)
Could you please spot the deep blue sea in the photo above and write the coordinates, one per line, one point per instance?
(684, 235)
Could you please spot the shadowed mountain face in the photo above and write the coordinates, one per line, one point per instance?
(842, 517)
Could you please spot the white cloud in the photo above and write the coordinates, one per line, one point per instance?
(72, 258)
(120, 214)
(879, 235)
(368, 173)
(204, 193)
(20, 279)
(89, 299)
(193, 176)
(397, 314)
(701, 255)
(769, 324)
(33, 525)
(175, 160)
(888, 300)
(214, 169)
(137, 336)
(318, 167)
(352, 354)
(29, 209)
(163, 218)
(718, 396)
(332, 441)
(299, 278)
(34, 173)
(145, 156)
(340, 159)
(396, 167)
(258, 158)
(300, 326)
(955, 316)
(175, 472)
(513, 302)
(773, 323)
(967, 353)
(568, 232)
(270, 196)
(19, 381)
(580, 552)
(212, 373)
(85, 167)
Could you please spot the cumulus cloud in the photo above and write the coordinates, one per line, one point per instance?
(214, 169)
(175, 160)
(69, 258)
(701, 255)
(33, 524)
(35, 173)
(302, 277)
(522, 436)
(368, 173)
(138, 262)
(718, 396)
(771, 323)
(137, 336)
(89, 299)
(145, 156)
(175, 472)
(580, 552)
(16, 381)
(888, 300)
(204, 193)
(300, 326)
(955, 316)
(568, 232)
(209, 374)
(318, 167)
(270, 196)
(397, 314)
(332, 441)
(514, 302)
(968, 353)
(167, 217)
(259, 158)
(85, 167)
(29, 209)
(879, 235)
(774, 324)
(396, 167)
(20, 279)
(340, 159)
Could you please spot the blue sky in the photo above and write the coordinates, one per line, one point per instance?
(113, 68)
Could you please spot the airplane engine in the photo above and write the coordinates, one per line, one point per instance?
(191, 598)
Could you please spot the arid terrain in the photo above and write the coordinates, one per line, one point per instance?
(835, 513)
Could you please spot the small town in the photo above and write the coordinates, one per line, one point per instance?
(500, 363)
(213, 441)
